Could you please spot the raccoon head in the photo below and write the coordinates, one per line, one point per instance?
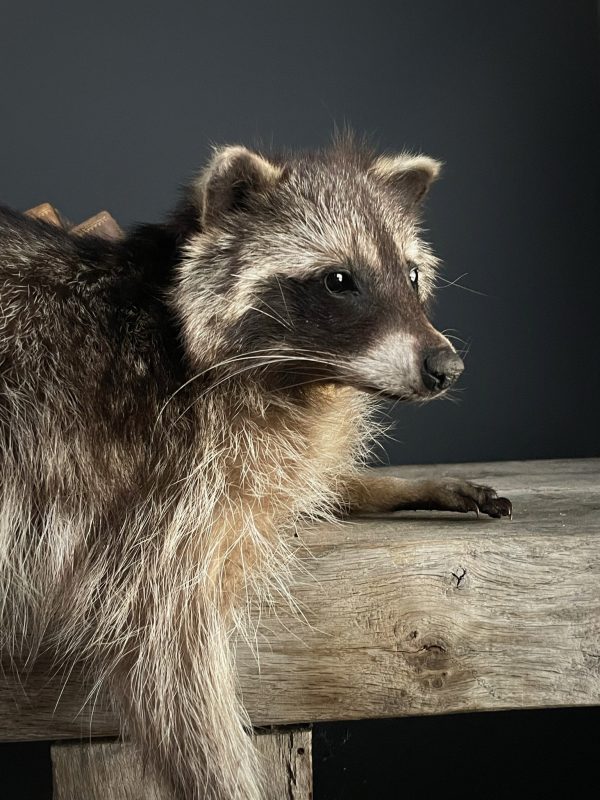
(312, 268)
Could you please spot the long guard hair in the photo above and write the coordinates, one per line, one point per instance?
(174, 407)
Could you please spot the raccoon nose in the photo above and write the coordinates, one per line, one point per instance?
(441, 368)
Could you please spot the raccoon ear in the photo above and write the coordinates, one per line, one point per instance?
(410, 175)
(233, 175)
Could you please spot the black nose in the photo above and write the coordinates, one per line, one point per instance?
(441, 367)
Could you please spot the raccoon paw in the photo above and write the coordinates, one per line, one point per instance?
(467, 496)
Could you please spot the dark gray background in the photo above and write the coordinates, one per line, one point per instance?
(114, 105)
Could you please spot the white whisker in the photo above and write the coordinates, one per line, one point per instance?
(456, 283)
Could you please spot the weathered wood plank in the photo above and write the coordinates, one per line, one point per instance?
(416, 613)
(101, 771)
(114, 771)
(287, 760)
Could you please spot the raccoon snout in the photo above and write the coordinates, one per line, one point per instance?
(441, 368)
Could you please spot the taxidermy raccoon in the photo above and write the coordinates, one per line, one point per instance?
(176, 405)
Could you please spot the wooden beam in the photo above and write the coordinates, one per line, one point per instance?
(415, 613)
(114, 771)
(287, 759)
(101, 771)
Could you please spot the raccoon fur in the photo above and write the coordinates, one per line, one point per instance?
(175, 406)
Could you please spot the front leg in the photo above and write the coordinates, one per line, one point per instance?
(369, 493)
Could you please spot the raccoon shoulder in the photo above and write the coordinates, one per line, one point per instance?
(38, 256)
(80, 294)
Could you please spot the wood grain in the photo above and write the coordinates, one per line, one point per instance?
(114, 771)
(414, 613)
(102, 771)
(287, 760)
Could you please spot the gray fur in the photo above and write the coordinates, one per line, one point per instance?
(167, 424)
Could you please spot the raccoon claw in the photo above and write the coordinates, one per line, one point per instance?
(489, 503)
(473, 497)
(500, 507)
(471, 505)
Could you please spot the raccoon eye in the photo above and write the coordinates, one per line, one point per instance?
(414, 277)
(340, 281)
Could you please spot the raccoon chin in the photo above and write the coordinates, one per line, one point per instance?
(407, 396)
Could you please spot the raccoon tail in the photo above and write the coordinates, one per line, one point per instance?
(179, 700)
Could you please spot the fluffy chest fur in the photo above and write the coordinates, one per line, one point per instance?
(252, 483)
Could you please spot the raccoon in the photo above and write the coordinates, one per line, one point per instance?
(176, 406)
